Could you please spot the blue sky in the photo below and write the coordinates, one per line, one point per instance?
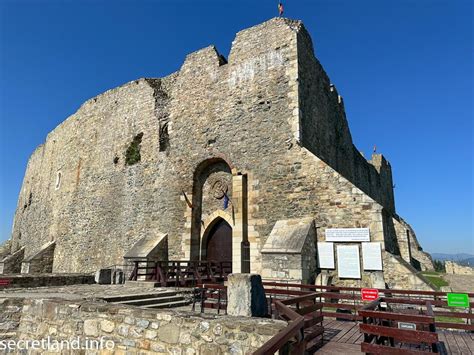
(404, 68)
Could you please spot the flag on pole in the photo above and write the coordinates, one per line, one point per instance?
(280, 9)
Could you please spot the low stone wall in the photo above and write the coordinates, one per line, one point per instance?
(137, 330)
(11, 264)
(401, 275)
(41, 262)
(44, 280)
(454, 268)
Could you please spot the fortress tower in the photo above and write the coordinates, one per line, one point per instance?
(248, 160)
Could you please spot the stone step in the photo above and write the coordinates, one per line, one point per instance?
(8, 336)
(143, 283)
(139, 296)
(151, 300)
(181, 303)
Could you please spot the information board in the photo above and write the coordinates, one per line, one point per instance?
(372, 256)
(347, 235)
(348, 264)
(326, 255)
(458, 300)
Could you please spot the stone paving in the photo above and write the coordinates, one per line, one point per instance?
(460, 283)
(75, 292)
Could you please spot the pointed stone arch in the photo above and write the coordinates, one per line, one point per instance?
(236, 217)
(208, 225)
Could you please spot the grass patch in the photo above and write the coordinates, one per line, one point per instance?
(437, 281)
(449, 319)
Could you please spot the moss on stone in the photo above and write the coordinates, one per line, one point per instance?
(132, 155)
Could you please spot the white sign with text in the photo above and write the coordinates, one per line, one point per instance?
(347, 235)
(348, 264)
(372, 256)
(326, 255)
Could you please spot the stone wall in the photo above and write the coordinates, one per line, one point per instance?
(454, 268)
(134, 329)
(5, 248)
(11, 264)
(268, 118)
(41, 262)
(47, 280)
(325, 131)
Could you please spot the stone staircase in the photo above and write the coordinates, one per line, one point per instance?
(163, 299)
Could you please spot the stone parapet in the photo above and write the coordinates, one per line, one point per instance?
(137, 330)
(41, 262)
(45, 280)
(11, 264)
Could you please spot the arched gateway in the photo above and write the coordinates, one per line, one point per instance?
(217, 210)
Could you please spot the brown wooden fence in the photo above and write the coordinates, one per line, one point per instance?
(180, 272)
(387, 332)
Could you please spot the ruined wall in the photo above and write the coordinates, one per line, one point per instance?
(417, 254)
(135, 330)
(454, 268)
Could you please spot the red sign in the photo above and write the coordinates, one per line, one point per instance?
(369, 294)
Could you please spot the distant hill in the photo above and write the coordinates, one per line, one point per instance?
(467, 262)
(461, 257)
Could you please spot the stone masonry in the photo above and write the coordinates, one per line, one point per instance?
(252, 140)
(131, 329)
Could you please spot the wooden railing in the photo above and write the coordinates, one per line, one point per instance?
(295, 302)
(387, 332)
(180, 272)
(212, 296)
(305, 325)
(339, 299)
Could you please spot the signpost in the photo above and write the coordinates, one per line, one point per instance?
(369, 294)
(458, 300)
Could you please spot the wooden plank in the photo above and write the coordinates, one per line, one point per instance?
(354, 330)
(344, 328)
(309, 322)
(353, 339)
(277, 342)
(410, 336)
(339, 348)
(461, 343)
(453, 346)
(381, 349)
(469, 340)
(309, 309)
(442, 338)
(398, 316)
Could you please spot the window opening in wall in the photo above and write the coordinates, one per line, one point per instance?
(164, 138)
(58, 180)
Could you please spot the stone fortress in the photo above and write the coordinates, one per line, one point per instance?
(247, 159)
